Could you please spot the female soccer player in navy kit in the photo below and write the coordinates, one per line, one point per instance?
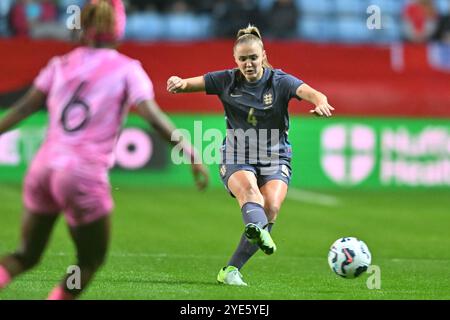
(255, 97)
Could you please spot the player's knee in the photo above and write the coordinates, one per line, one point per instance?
(252, 194)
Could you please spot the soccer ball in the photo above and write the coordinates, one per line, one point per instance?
(349, 257)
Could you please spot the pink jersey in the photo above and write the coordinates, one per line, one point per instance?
(89, 93)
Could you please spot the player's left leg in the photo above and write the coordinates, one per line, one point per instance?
(274, 186)
(274, 193)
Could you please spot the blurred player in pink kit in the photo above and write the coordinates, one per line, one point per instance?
(88, 92)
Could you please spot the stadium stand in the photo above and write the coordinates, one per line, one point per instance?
(317, 21)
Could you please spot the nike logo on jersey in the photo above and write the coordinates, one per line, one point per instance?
(235, 95)
(268, 107)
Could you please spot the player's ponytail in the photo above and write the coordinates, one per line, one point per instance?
(250, 30)
(103, 21)
(248, 34)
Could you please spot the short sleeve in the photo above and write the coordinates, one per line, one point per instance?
(140, 87)
(290, 85)
(44, 80)
(216, 82)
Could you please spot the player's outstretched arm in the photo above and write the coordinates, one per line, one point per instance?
(318, 99)
(177, 85)
(150, 111)
(31, 102)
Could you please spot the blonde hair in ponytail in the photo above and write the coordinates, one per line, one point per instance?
(248, 34)
(98, 19)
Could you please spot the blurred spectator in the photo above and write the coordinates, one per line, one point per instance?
(145, 5)
(179, 6)
(282, 19)
(443, 29)
(201, 6)
(420, 20)
(27, 13)
(37, 19)
(232, 15)
(161, 6)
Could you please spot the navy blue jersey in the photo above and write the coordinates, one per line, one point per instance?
(255, 106)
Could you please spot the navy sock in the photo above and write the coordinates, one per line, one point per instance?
(254, 213)
(245, 250)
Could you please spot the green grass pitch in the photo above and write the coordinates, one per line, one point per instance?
(169, 243)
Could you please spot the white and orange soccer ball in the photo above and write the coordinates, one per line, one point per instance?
(349, 257)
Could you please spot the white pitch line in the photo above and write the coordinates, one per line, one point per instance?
(313, 197)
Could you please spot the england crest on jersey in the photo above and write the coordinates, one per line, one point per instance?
(268, 100)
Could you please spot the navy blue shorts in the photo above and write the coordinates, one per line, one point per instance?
(263, 174)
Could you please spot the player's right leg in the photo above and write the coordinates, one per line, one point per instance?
(91, 242)
(36, 230)
(242, 184)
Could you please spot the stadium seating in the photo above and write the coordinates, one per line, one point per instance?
(319, 21)
(352, 29)
(316, 7)
(145, 26)
(443, 6)
(187, 26)
(389, 7)
(179, 26)
(265, 5)
(351, 7)
(317, 30)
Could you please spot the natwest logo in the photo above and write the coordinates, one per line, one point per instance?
(348, 153)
